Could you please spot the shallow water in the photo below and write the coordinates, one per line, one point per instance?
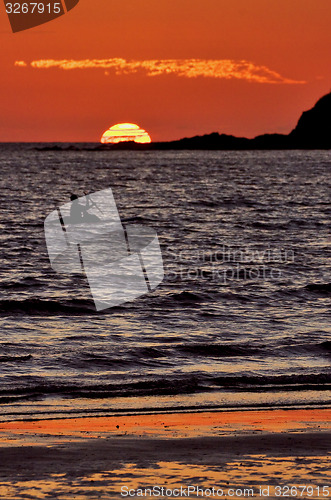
(242, 318)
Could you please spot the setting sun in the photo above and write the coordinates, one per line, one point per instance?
(123, 132)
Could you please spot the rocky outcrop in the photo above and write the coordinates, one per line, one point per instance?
(314, 127)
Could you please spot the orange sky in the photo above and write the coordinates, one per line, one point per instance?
(175, 67)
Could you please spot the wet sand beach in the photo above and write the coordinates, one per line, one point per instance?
(219, 455)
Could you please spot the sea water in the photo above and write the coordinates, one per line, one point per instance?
(241, 320)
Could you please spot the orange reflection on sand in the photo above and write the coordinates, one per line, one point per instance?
(177, 424)
(249, 472)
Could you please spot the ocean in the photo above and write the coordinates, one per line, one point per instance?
(241, 319)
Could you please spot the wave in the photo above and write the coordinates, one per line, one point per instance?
(313, 381)
(291, 224)
(303, 292)
(25, 283)
(170, 355)
(219, 350)
(36, 306)
(324, 288)
(48, 307)
(7, 359)
(173, 385)
(326, 345)
(187, 297)
(166, 355)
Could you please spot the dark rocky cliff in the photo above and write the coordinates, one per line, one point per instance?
(314, 127)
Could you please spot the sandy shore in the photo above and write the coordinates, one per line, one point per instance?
(236, 453)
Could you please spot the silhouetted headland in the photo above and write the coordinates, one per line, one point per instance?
(311, 132)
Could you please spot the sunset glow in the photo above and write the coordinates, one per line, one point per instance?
(178, 69)
(123, 132)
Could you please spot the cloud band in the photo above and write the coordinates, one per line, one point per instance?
(189, 68)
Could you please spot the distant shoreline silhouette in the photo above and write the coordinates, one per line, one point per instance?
(311, 132)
